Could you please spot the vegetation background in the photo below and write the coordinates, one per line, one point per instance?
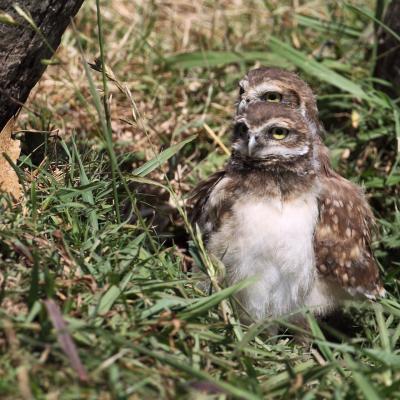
(101, 243)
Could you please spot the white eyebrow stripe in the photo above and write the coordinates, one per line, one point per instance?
(244, 83)
(287, 152)
(271, 86)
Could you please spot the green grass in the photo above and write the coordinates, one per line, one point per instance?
(103, 231)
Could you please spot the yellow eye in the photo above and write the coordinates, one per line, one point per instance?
(273, 97)
(279, 133)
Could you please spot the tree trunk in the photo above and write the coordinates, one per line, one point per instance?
(22, 49)
(388, 53)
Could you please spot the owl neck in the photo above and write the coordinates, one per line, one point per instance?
(273, 178)
(300, 165)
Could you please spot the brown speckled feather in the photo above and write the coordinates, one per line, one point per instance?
(198, 200)
(343, 237)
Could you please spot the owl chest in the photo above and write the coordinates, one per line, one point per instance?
(272, 241)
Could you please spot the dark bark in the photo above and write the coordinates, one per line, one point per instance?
(22, 49)
(388, 53)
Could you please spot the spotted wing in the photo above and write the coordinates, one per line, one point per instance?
(200, 211)
(343, 238)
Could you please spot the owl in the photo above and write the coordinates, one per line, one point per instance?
(283, 87)
(273, 215)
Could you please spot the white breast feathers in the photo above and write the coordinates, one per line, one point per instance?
(272, 241)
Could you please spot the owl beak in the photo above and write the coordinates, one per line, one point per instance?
(252, 145)
(241, 106)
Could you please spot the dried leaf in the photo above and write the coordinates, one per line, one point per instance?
(206, 387)
(8, 177)
(65, 340)
(24, 384)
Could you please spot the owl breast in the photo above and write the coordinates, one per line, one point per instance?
(272, 241)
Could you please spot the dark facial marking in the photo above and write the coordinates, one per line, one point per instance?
(240, 130)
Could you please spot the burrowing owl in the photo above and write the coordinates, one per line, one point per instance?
(272, 214)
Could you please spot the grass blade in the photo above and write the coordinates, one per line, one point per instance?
(373, 18)
(362, 382)
(178, 364)
(217, 58)
(112, 294)
(204, 304)
(314, 68)
(159, 159)
(87, 195)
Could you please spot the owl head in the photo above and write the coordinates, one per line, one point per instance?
(270, 135)
(277, 86)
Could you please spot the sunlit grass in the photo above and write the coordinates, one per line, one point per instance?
(104, 233)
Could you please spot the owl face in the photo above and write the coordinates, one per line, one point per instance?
(271, 134)
(273, 85)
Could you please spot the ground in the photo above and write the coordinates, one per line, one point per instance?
(101, 242)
